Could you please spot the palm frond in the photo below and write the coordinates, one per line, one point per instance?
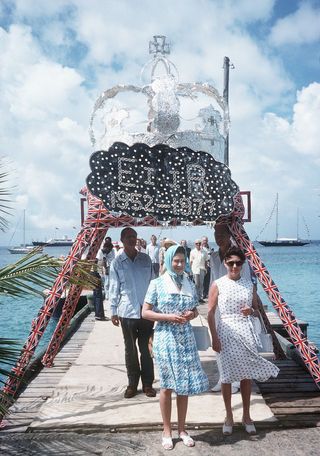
(9, 351)
(82, 275)
(33, 273)
(30, 274)
(5, 192)
(5, 403)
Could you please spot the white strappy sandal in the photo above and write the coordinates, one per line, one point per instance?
(186, 439)
(167, 443)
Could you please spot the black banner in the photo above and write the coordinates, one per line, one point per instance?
(162, 182)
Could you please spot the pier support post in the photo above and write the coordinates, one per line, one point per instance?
(70, 304)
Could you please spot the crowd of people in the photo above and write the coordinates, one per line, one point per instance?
(164, 282)
(197, 266)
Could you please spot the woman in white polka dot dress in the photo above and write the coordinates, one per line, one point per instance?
(234, 339)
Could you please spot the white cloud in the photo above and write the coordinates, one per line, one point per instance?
(17, 49)
(302, 133)
(45, 111)
(247, 11)
(306, 138)
(300, 27)
(273, 154)
(38, 8)
(35, 87)
(43, 91)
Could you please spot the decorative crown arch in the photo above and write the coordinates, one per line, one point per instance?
(90, 237)
(163, 97)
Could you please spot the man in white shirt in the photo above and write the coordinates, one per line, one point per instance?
(105, 256)
(222, 237)
(117, 247)
(153, 252)
(198, 262)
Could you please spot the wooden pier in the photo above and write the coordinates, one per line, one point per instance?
(293, 397)
(278, 326)
(43, 380)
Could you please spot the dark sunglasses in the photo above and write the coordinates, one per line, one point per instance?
(234, 263)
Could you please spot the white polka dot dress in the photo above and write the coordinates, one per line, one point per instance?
(239, 355)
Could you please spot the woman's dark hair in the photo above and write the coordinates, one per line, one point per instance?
(234, 250)
(181, 249)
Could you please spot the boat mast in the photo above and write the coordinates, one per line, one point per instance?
(24, 227)
(226, 67)
(277, 216)
(298, 223)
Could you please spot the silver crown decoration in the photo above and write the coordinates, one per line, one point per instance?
(164, 111)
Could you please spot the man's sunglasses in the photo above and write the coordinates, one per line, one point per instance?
(234, 263)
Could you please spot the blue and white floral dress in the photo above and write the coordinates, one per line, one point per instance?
(174, 345)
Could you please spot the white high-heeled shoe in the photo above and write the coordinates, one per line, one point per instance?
(250, 428)
(217, 388)
(227, 429)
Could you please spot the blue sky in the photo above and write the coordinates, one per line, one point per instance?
(301, 58)
(58, 56)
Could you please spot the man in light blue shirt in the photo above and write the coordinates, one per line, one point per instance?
(130, 275)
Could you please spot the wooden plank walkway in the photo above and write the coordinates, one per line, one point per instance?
(277, 325)
(293, 396)
(42, 386)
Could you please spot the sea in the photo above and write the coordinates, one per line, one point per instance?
(295, 270)
(16, 314)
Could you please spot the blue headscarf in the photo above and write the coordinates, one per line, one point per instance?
(168, 257)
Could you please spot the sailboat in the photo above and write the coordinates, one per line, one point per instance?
(23, 248)
(284, 242)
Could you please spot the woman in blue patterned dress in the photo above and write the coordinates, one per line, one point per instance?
(171, 301)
